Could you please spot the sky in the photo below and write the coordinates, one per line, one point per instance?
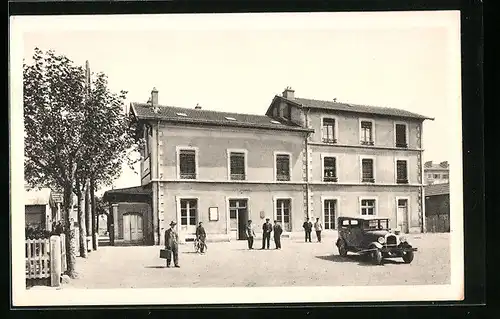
(237, 63)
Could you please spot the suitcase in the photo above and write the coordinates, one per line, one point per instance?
(165, 253)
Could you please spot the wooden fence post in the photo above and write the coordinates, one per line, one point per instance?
(55, 261)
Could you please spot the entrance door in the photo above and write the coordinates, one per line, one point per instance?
(283, 213)
(132, 227)
(238, 218)
(402, 215)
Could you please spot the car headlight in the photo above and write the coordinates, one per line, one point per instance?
(402, 239)
(381, 240)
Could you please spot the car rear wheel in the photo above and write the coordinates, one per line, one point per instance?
(377, 256)
(342, 249)
(408, 257)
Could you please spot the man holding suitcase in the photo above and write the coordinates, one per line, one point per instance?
(172, 245)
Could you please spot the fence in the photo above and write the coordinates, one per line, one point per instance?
(45, 259)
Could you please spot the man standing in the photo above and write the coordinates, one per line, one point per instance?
(201, 235)
(267, 228)
(172, 245)
(277, 230)
(250, 234)
(308, 229)
(318, 227)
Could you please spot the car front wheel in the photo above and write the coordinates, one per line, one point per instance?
(408, 257)
(377, 256)
(342, 249)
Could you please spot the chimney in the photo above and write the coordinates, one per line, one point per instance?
(154, 97)
(197, 107)
(288, 93)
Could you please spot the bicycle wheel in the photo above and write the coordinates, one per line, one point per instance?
(196, 246)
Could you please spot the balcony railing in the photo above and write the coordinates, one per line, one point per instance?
(368, 180)
(282, 177)
(330, 179)
(329, 140)
(402, 181)
(367, 143)
(238, 177)
(188, 175)
(402, 145)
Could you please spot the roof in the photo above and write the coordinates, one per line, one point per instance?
(207, 117)
(131, 191)
(355, 108)
(37, 197)
(435, 167)
(437, 189)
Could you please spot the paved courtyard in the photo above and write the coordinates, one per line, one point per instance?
(233, 265)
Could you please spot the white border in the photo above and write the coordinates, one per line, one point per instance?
(374, 159)
(337, 211)
(228, 155)
(275, 177)
(178, 150)
(288, 21)
(374, 138)
(322, 156)
(368, 197)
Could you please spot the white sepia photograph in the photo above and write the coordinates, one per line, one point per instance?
(177, 159)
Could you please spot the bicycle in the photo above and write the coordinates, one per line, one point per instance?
(198, 245)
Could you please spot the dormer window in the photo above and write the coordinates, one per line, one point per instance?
(181, 114)
(230, 118)
(275, 122)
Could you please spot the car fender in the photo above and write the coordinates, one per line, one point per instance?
(375, 244)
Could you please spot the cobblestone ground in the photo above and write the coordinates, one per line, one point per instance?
(233, 265)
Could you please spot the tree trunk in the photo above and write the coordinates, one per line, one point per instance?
(81, 222)
(95, 221)
(70, 233)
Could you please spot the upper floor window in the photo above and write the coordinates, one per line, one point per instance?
(282, 167)
(445, 176)
(237, 165)
(401, 138)
(436, 176)
(328, 131)
(368, 207)
(401, 172)
(187, 164)
(366, 132)
(368, 175)
(329, 169)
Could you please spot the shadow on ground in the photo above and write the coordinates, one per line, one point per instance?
(362, 260)
(155, 267)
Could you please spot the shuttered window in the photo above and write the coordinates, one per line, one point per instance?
(187, 164)
(367, 170)
(401, 136)
(329, 131)
(401, 172)
(237, 163)
(282, 167)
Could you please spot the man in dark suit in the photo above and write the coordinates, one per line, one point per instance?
(202, 236)
(267, 228)
(172, 244)
(308, 229)
(277, 231)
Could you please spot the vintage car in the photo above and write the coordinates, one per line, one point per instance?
(371, 236)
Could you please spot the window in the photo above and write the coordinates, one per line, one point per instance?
(401, 172)
(429, 175)
(329, 169)
(283, 167)
(329, 131)
(367, 170)
(189, 208)
(283, 207)
(445, 176)
(329, 213)
(367, 132)
(401, 136)
(187, 164)
(436, 175)
(368, 207)
(237, 165)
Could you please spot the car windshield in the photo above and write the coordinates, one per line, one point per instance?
(376, 224)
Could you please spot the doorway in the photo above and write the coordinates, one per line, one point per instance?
(238, 218)
(283, 208)
(402, 214)
(132, 227)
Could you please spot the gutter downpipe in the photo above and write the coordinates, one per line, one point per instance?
(307, 162)
(158, 179)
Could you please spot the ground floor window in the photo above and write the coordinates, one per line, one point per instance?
(368, 207)
(283, 207)
(189, 208)
(329, 213)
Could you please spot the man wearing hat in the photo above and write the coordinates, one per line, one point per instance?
(172, 244)
(277, 231)
(267, 228)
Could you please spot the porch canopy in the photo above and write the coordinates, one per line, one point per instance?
(137, 194)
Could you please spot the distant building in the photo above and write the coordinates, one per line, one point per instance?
(436, 173)
(42, 207)
(437, 208)
(303, 158)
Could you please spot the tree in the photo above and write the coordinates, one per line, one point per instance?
(53, 118)
(73, 133)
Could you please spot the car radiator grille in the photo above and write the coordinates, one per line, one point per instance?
(391, 240)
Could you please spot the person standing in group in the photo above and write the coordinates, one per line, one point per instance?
(201, 235)
(267, 228)
(308, 229)
(318, 227)
(172, 245)
(277, 231)
(250, 234)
